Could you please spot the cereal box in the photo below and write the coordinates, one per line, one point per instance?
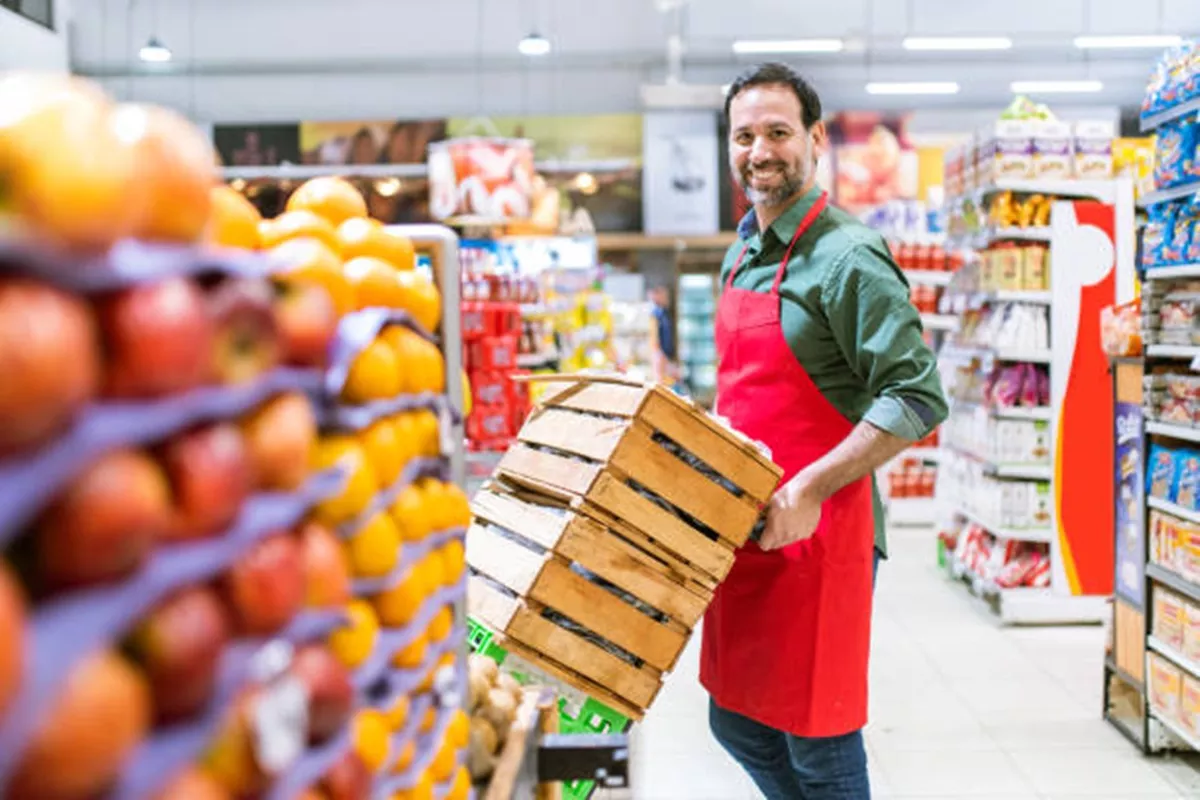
(1169, 617)
(1166, 686)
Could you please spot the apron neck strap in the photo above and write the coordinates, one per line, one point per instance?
(805, 224)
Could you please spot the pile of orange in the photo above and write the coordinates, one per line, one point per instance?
(399, 361)
(428, 506)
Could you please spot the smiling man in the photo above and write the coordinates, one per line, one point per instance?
(820, 356)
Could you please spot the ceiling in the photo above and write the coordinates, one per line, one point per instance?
(237, 59)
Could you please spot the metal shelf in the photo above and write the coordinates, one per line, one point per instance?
(1186, 432)
(1153, 121)
(1173, 580)
(1167, 195)
(1034, 413)
(1174, 727)
(1043, 298)
(1172, 350)
(1174, 656)
(1033, 472)
(929, 277)
(940, 322)
(1103, 190)
(1020, 535)
(1173, 509)
(1176, 271)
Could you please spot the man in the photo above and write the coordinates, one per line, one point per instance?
(820, 356)
(665, 365)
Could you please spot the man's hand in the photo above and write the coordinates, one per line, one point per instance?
(792, 515)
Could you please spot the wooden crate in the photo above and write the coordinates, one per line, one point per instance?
(589, 578)
(599, 445)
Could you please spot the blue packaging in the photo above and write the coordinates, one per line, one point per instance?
(1160, 472)
(1187, 480)
(1177, 235)
(1175, 149)
(1155, 234)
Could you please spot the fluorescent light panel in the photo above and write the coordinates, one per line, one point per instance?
(1055, 87)
(752, 46)
(1146, 41)
(154, 52)
(533, 45)
(958, 43)
(913, 87)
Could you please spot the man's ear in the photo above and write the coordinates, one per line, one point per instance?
(820, 139)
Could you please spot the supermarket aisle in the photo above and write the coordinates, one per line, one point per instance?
(960, 708)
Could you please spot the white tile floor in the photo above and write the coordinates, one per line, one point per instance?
(960, 708)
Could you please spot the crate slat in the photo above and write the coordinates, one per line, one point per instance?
(535, 522)
(591, 437)
(601, 397)
(503, 560)
(554, 470)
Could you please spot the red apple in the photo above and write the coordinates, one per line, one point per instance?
(159, 339)
(265, 588)
(331, 695)
(13, 637)
(179, 646)
(246, 343)
(50, 357)
(193, 784)
(348, 779)
(105, 523)
(326, 571)
(281, 435)
(307, 321)
(211, 474)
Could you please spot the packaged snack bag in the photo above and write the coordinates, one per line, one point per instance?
(1174, 150)
(1160, 472)
(1154, 234)
(1177, 237)
(1187, 480)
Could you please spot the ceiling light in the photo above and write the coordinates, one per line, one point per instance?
(1055, 87)
(154, 52)
(913, 87)
(388, 187)
(958, 43)
(534, 45)
(1150, 42)
(755, 46)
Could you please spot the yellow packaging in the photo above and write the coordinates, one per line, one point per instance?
(1007, 267)
(1191, 631)
(1166, 686)
(1189, 705)
(1035, 276)
(987, 271)
(1170, 617)
(1191, 552)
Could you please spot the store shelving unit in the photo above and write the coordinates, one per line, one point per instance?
(1085, 277)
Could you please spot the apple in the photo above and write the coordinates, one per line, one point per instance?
(101, 714)
(159, 338)
(179, 645)
(50, 353)
(230, 757)
(348, 779)
(12, 637)
(193, 784)
(265, 588)
(326, 571)
(307, 321)
(246, 342)
(103, 526)
(211, 473)
(281, 435)
(331, 695)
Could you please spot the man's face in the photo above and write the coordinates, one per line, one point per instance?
(771, 153)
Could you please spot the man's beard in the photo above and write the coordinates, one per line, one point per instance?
(792, 182)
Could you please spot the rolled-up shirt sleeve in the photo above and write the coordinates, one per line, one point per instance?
(866, 302)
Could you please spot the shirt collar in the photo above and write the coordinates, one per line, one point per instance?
(784, 227)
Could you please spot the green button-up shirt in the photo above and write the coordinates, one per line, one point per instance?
(847, 317)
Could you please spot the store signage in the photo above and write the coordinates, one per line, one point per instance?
(1130, 502)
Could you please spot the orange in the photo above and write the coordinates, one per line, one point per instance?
(309, 259)
(431, 572)
(374, 374)
(423, 790)
(384, 451)
(234, 221)
(430, 365)
(374, 550)
(461, 788)
(367, 237)
(335, 199)
(458, 731)
(372, 738)
(433, 493)
(376, 283)
(454, 562)
(400, 339)
(439, 627)
(422, 299)
(428, 440)
(406, 438)
(398, 605)
(458, 507)
(398, 714)
(296, 225)
(410, 515)
(353, 643)
(428, 721)
(405, 760)
(360, 486)
(427, 684)
(412, 656)
(441, 768)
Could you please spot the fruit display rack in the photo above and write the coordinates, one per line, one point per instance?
(233, 546)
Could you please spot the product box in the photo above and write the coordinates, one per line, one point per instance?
(1093, 146)
(1014, 504)
(1035, 268)
(1052, 149)
(1008, 267)
(1170, 617)
(1006, 151)
(1191, 631)
(1166, 686)
(1041, 504)
(1189, 705)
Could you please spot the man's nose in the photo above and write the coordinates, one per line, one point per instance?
(760, 150)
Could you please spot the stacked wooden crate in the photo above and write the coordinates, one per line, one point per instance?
(597, 544)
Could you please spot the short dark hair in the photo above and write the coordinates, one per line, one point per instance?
(775, 73)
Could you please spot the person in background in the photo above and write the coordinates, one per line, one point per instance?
(666, 367)
(820, 356)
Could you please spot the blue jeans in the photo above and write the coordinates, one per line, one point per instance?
(787, 767)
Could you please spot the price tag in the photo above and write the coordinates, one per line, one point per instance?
(445, 687)
(1195, 366)
(281, 724)
(445, 431)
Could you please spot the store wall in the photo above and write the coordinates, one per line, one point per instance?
(27, 45)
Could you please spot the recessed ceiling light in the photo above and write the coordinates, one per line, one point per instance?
(958, 43)
(154, 52)
(913, 87)
(534, 45)
(1055, 87)
(754, 46)
(1146, 41)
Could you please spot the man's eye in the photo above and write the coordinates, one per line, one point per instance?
(779, 134)
(743, 139)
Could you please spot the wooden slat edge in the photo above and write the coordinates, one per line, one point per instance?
(527, 519)
(572, 678)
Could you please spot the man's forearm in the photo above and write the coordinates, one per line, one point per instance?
(865, 450)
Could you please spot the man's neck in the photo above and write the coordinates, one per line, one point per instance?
(768, 214)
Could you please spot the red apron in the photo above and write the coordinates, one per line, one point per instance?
(787, 636)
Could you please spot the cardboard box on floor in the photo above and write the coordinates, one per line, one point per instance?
(597, 544)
